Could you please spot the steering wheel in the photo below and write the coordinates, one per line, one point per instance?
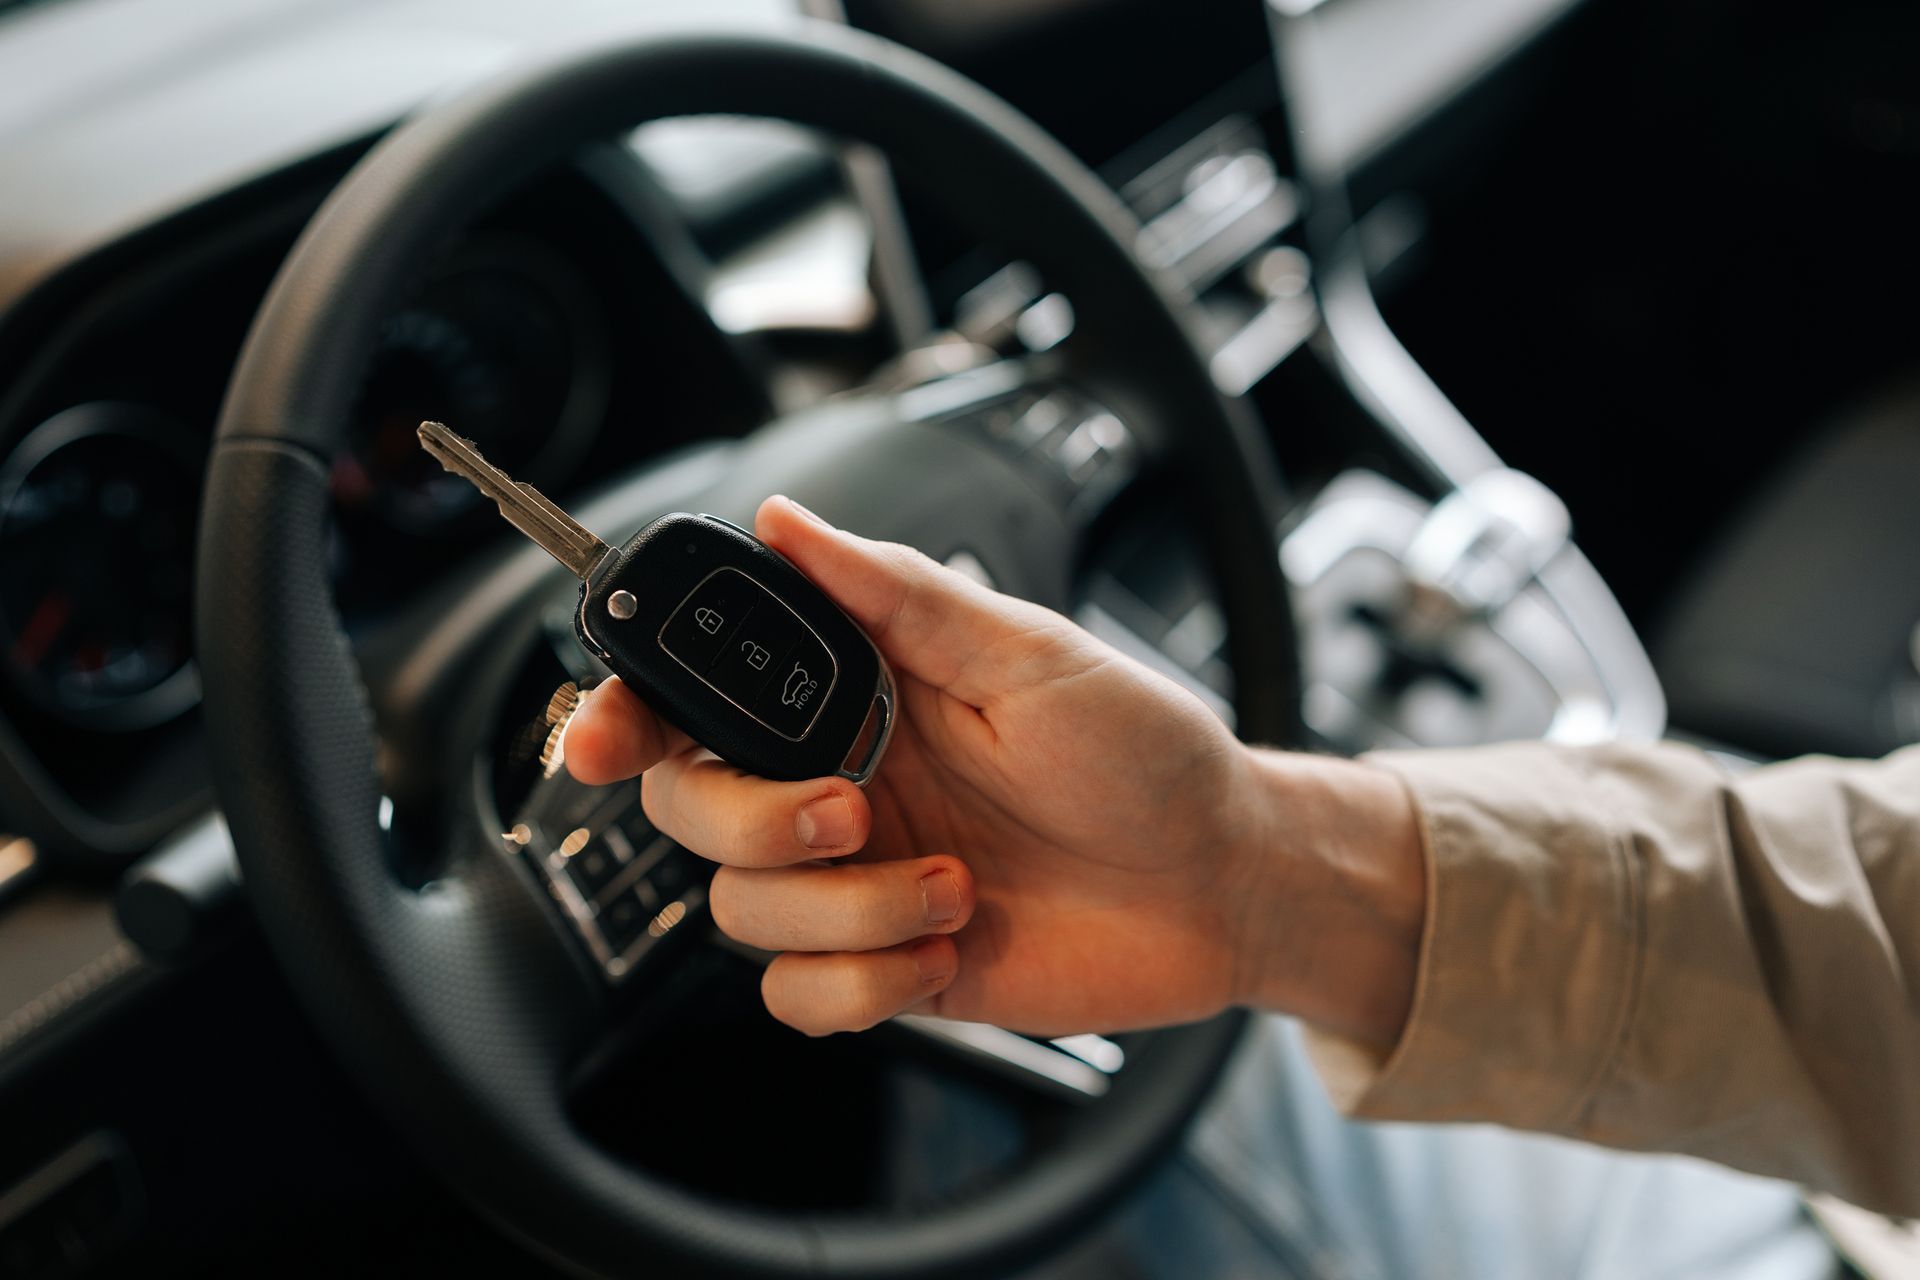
(456, 991)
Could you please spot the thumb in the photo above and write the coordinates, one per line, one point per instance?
(939, 625)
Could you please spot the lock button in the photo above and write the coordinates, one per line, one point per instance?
(700, 629)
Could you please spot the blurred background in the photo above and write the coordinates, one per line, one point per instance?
(1486, 271)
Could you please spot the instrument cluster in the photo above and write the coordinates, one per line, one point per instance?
(98, 503)
(96, 566)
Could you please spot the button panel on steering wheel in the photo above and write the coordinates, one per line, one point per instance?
(622, 886)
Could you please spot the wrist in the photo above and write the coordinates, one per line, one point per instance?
(1332, 934)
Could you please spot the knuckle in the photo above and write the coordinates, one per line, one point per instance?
(872, 917)
(749, 834)
(656, 801)
(915, 572)
(909, 561)
(869, 995)
(724, 903)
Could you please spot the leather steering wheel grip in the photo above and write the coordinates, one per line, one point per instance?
(452, 1005)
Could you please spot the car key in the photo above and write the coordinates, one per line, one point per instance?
(714, 629)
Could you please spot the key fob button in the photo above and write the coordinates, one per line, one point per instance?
(792, 700)
(699, 630)
(753, 654)
(737, 648)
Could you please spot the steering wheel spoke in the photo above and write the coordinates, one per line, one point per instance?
(626, 893)
(1072, 447)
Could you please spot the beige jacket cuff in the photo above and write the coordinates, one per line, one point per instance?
(1531, 905)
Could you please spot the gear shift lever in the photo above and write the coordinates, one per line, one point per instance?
(1478, 549)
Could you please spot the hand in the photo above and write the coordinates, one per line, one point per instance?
(1058, 840)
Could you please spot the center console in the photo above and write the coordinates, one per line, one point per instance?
(1439, 596)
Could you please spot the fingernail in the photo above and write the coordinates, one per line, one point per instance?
(807, 513)
(940, 893)
(934, 959)
(824, 823)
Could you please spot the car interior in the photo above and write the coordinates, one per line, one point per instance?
(1388, 372)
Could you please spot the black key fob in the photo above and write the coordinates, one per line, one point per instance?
(732, 644)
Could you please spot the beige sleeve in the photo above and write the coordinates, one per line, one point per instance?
(1630, 946)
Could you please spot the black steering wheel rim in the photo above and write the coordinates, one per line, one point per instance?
(453, 1031)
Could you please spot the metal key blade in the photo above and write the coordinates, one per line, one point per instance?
(559, 534)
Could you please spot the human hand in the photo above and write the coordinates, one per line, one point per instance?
(1059, 839)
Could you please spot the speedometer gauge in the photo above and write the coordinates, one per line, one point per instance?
(96, 556)
(506, 344)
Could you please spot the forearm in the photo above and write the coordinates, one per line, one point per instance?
(1625, 945)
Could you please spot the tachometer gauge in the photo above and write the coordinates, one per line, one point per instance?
(96, 560)
(505, 344)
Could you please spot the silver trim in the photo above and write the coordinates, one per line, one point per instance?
(1232, 204)
(1096, 1051)
(832, 682)
(896, 272)
(1258, 347)
(1603, 683)
(1386, 379)
(888, 701)
(1053, 1067)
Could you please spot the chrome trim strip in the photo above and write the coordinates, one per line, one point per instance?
(1386, 379)
(1027, 1060)
(1259, 347)
(1096, 1051)
(887, 698)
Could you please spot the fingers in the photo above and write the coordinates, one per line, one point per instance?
(851, 991)
(940, 625)
(706, 804)
(736, 818)
(613, 735)
(860, 941)
(851, 907)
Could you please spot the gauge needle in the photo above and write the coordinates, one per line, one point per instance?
(49, 618)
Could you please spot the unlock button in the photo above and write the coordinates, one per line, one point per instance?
(752, 653)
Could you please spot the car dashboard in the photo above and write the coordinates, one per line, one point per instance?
(671, 288)
(551, 320)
